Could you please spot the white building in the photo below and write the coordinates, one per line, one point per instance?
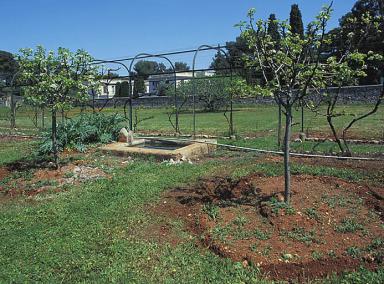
(107, 87)
(155, 80)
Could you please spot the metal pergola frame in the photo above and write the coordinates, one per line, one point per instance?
(164, 56)
(129, 71)
(219, 49)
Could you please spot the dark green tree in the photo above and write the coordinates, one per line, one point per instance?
(181, 66)
(139, 86)
(8, 67)
(144, 68)
(220, 63)
(122, 89)
(296, 21)
(236, 50)
(273, 28)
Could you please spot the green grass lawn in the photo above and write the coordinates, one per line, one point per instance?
(95, 233)
(247, 120)
(11, 151)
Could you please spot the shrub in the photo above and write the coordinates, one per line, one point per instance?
(82, 130)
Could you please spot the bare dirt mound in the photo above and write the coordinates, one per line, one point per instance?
(331, 225)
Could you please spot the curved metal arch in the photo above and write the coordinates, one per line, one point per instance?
(220, 49)
(148, 55)
(96, 62)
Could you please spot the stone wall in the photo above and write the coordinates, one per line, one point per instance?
(348, 95)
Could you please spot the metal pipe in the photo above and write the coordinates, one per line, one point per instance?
(220, 49)
(280, 153)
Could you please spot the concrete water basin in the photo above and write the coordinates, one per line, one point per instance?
(163, 149)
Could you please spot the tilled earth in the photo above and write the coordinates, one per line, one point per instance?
(331, 226)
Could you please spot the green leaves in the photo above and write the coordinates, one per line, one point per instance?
(85, 129)
(56, 80)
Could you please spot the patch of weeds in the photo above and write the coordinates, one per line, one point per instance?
(45, 182)
(262, 235)
(337, 201)
(348, 225)
(220, 233)
(376, 248)
(277, 206)
(301, 235)
(25, 175)
(312, 213)
(286, 256)
(332, 254)
(241, 234)
(69, 174)
(266, 250)
(353, 251)
(240, 221)
(253, 247)
(316, 255)
(376, 244)
(211, 210)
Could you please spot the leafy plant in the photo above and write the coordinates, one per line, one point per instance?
(354, 251)
(277, 206)
(240, 221)
(56, 81)
(262, 235)
(83, 130)
(349, 225)
(316, 255)
(332, 254)
(211, 210)
(312, 213)
(301, 235)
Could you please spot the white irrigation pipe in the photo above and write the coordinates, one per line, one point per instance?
(263, 151)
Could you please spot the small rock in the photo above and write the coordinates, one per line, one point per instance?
(123, 135)
(368, 258)
(288, 256)
(302, 136)
(298, 140)
(245, 263)
(279, 197)
(130, 137)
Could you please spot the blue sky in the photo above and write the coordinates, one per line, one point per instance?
(117, 28)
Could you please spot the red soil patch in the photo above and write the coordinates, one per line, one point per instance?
(330, 229)
(46, 179)
(3, 173)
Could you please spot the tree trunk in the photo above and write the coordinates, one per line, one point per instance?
(302, 117)
(13, 111)
(231, 130)
(54, 140)
(287, 140)
(279, 128)
(334, 132)
(42, 119)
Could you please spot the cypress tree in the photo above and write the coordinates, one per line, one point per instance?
(273, 28)
(139, 86)
(296, 21)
